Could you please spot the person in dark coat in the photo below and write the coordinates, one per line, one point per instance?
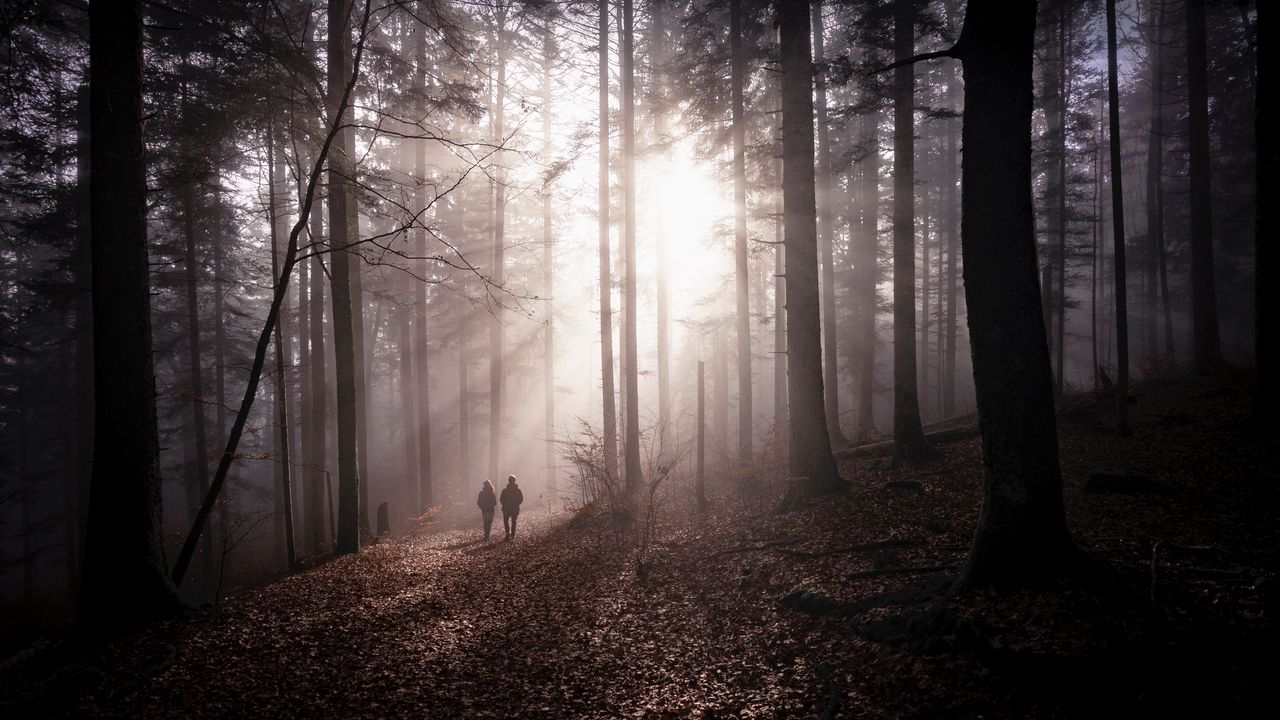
(487, 501)
(511, 499)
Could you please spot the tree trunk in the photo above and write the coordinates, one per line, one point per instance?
(953, 250)
(1117, 225)
(84, 338)
(659, 59)
(700, 490)
(720, 391)
(409, 410)
(610, 415)
(1155, 182)
(811, 461)
(548, 282)
(908, 434)
(313, 495)
(283, 356)
(780, 415)
(738, 62)
(198, 480)
(1268, 398)
(1206, 350)
(867, 271)
(497, 380)
(124, 565)
(341, 167)
(826, 231)
(635, 476)
(422, 381)
(1022, 526)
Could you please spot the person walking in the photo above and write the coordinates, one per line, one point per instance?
(487, 501)
(511, 499)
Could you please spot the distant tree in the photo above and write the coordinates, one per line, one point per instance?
(909, 443)
(124, 576)
(1117, 225)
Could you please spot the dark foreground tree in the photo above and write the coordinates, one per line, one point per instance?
(1022, 529)
(124, 566)
(1268, 401)
(812, 465)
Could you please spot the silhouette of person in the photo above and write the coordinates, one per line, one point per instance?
(487, 502)
(511, 499)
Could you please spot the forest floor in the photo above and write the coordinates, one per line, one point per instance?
(839, 609)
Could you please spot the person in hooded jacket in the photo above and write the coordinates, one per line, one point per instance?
(511, 499)
(487, 501)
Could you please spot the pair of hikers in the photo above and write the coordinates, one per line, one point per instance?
(510, 501)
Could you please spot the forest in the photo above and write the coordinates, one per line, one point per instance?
(835, 358)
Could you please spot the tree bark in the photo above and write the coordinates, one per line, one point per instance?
(421, 350)
(738, 75)
(1268, 398)
(610, 414)
(124, 566)
(826, 231)
(1206, 350)
(344, 338)
(497, 380)
(1117, 225)
(634, 474)
(811, 461)
(1155, 182)
(1022, 526)
(283, 356)
(866, 268)
(908, 433)
(548, 281)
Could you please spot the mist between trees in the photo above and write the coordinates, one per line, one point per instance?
(380, 243)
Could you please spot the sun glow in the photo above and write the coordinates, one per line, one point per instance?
(693, 206)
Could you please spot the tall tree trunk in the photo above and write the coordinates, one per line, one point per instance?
(198, 480)
(362, 346)
(1155, 181)
(124, 565)
(1060, 256)
(341, 167)
(1022, 526)
(610, 415)
(497, 380)
(811, 461)
(313, 495)
(780, 392)
(659, 58)
(84, 338)
(422, 381)
(548, 281)
(738, 62)
(635, 476)
(1206, 350)
(953, 250)
(720, 390)
(409, 409)
(826, 231)
(926, 277)
(1264, 258)
(283, 356)
(1117, 225)
(908, 435)
(700, 489)
(866, 268)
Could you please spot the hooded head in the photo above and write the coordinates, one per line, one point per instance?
(511, 479)
(488, 485)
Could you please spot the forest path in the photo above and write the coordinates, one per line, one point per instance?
(572, 621)
(438, 625)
